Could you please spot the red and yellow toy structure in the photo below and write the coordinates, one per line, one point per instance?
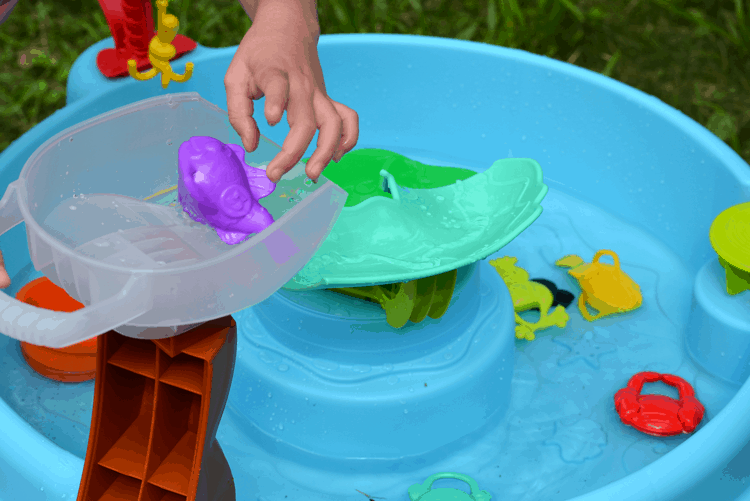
(132, 25)
(161, 51)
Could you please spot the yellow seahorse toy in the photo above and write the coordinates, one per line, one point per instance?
(161, 51)
(527, 295)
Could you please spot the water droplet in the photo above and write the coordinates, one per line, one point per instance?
(523, 138)
(392, 380)
(66, 172)
(406, 412)
(448, 356)
(281, 426)
(270, 395)
(72, 207)
(283, 368)
(439, 198)
(388, 367)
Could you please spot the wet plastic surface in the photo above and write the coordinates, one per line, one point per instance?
(569, 124)
(422, 232)
(295, 375)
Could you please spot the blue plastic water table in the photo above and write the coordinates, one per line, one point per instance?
(526, 420)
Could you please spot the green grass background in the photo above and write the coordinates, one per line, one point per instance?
(691, 54)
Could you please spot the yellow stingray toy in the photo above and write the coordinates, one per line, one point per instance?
(604, 287)
(527, 295)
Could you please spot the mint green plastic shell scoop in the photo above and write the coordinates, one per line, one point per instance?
(413, 233)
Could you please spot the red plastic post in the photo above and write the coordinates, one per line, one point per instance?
(131, 23)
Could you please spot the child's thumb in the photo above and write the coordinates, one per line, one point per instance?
(4, 277)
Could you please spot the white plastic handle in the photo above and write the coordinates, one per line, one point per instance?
(56, 329)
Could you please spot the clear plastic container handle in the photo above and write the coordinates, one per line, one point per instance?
(59, 329)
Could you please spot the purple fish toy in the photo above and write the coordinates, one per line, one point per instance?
(216, 187)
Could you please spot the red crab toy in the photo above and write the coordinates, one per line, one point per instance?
(659, 415)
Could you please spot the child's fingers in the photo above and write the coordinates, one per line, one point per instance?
(4, 278)
(241, 91)
(301, 118)
(276, 90)
(349, 129)
(329, 123)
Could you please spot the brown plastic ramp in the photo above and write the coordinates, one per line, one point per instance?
(157, 406)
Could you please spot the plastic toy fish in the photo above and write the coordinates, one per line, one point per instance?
(216, 187)
(527, 295)
(605, 287)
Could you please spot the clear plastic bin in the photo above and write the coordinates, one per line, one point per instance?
(137, 264)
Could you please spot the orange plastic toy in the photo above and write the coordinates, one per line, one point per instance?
(157, 406)
(73, 364)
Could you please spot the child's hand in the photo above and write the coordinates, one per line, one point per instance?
(278, 59)
(4, 278)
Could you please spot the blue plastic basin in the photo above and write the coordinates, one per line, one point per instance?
(467, 105)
